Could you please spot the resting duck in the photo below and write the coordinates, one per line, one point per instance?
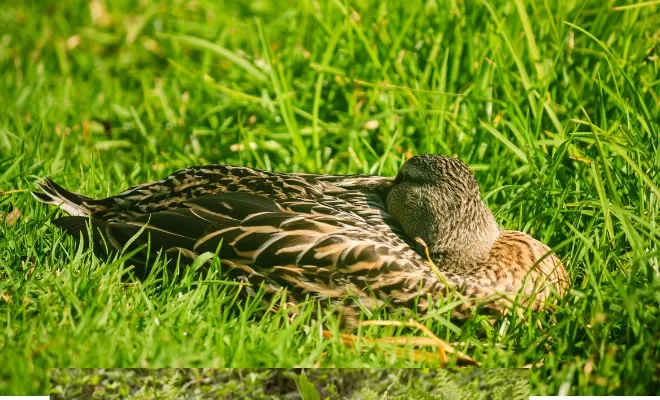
(381, 241)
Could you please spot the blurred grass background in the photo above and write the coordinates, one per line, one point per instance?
(555, 105)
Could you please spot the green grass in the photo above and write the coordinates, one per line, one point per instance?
(276, 384)
(555, 104)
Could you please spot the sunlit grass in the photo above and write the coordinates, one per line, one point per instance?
(555, 105)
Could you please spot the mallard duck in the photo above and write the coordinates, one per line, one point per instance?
(399, 241)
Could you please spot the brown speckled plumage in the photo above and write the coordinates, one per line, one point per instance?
(332, 236)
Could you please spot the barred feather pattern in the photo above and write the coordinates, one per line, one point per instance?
(328, 236)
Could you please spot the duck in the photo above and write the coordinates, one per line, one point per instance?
(404, 241)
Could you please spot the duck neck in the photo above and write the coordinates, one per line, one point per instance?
(464, 239)
(458, 230)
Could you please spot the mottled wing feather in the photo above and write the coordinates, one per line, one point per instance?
(360, 197)
(181, 186)
(236, 205)
(305, 245)
(165, 229)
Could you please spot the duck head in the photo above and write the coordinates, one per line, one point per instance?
(436, 198)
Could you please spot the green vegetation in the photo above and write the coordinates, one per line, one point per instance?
(554, 103)
(314, 384)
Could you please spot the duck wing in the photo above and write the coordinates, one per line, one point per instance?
(183, 185)
(305, 245)
(175, 190)
(358, 195)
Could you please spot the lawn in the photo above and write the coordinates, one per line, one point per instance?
(555, 104)
(276, 384)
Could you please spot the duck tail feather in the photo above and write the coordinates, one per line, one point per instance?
(54, 194)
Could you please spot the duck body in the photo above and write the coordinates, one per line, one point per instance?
(329, 236)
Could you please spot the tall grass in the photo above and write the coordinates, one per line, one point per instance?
(555, 105)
